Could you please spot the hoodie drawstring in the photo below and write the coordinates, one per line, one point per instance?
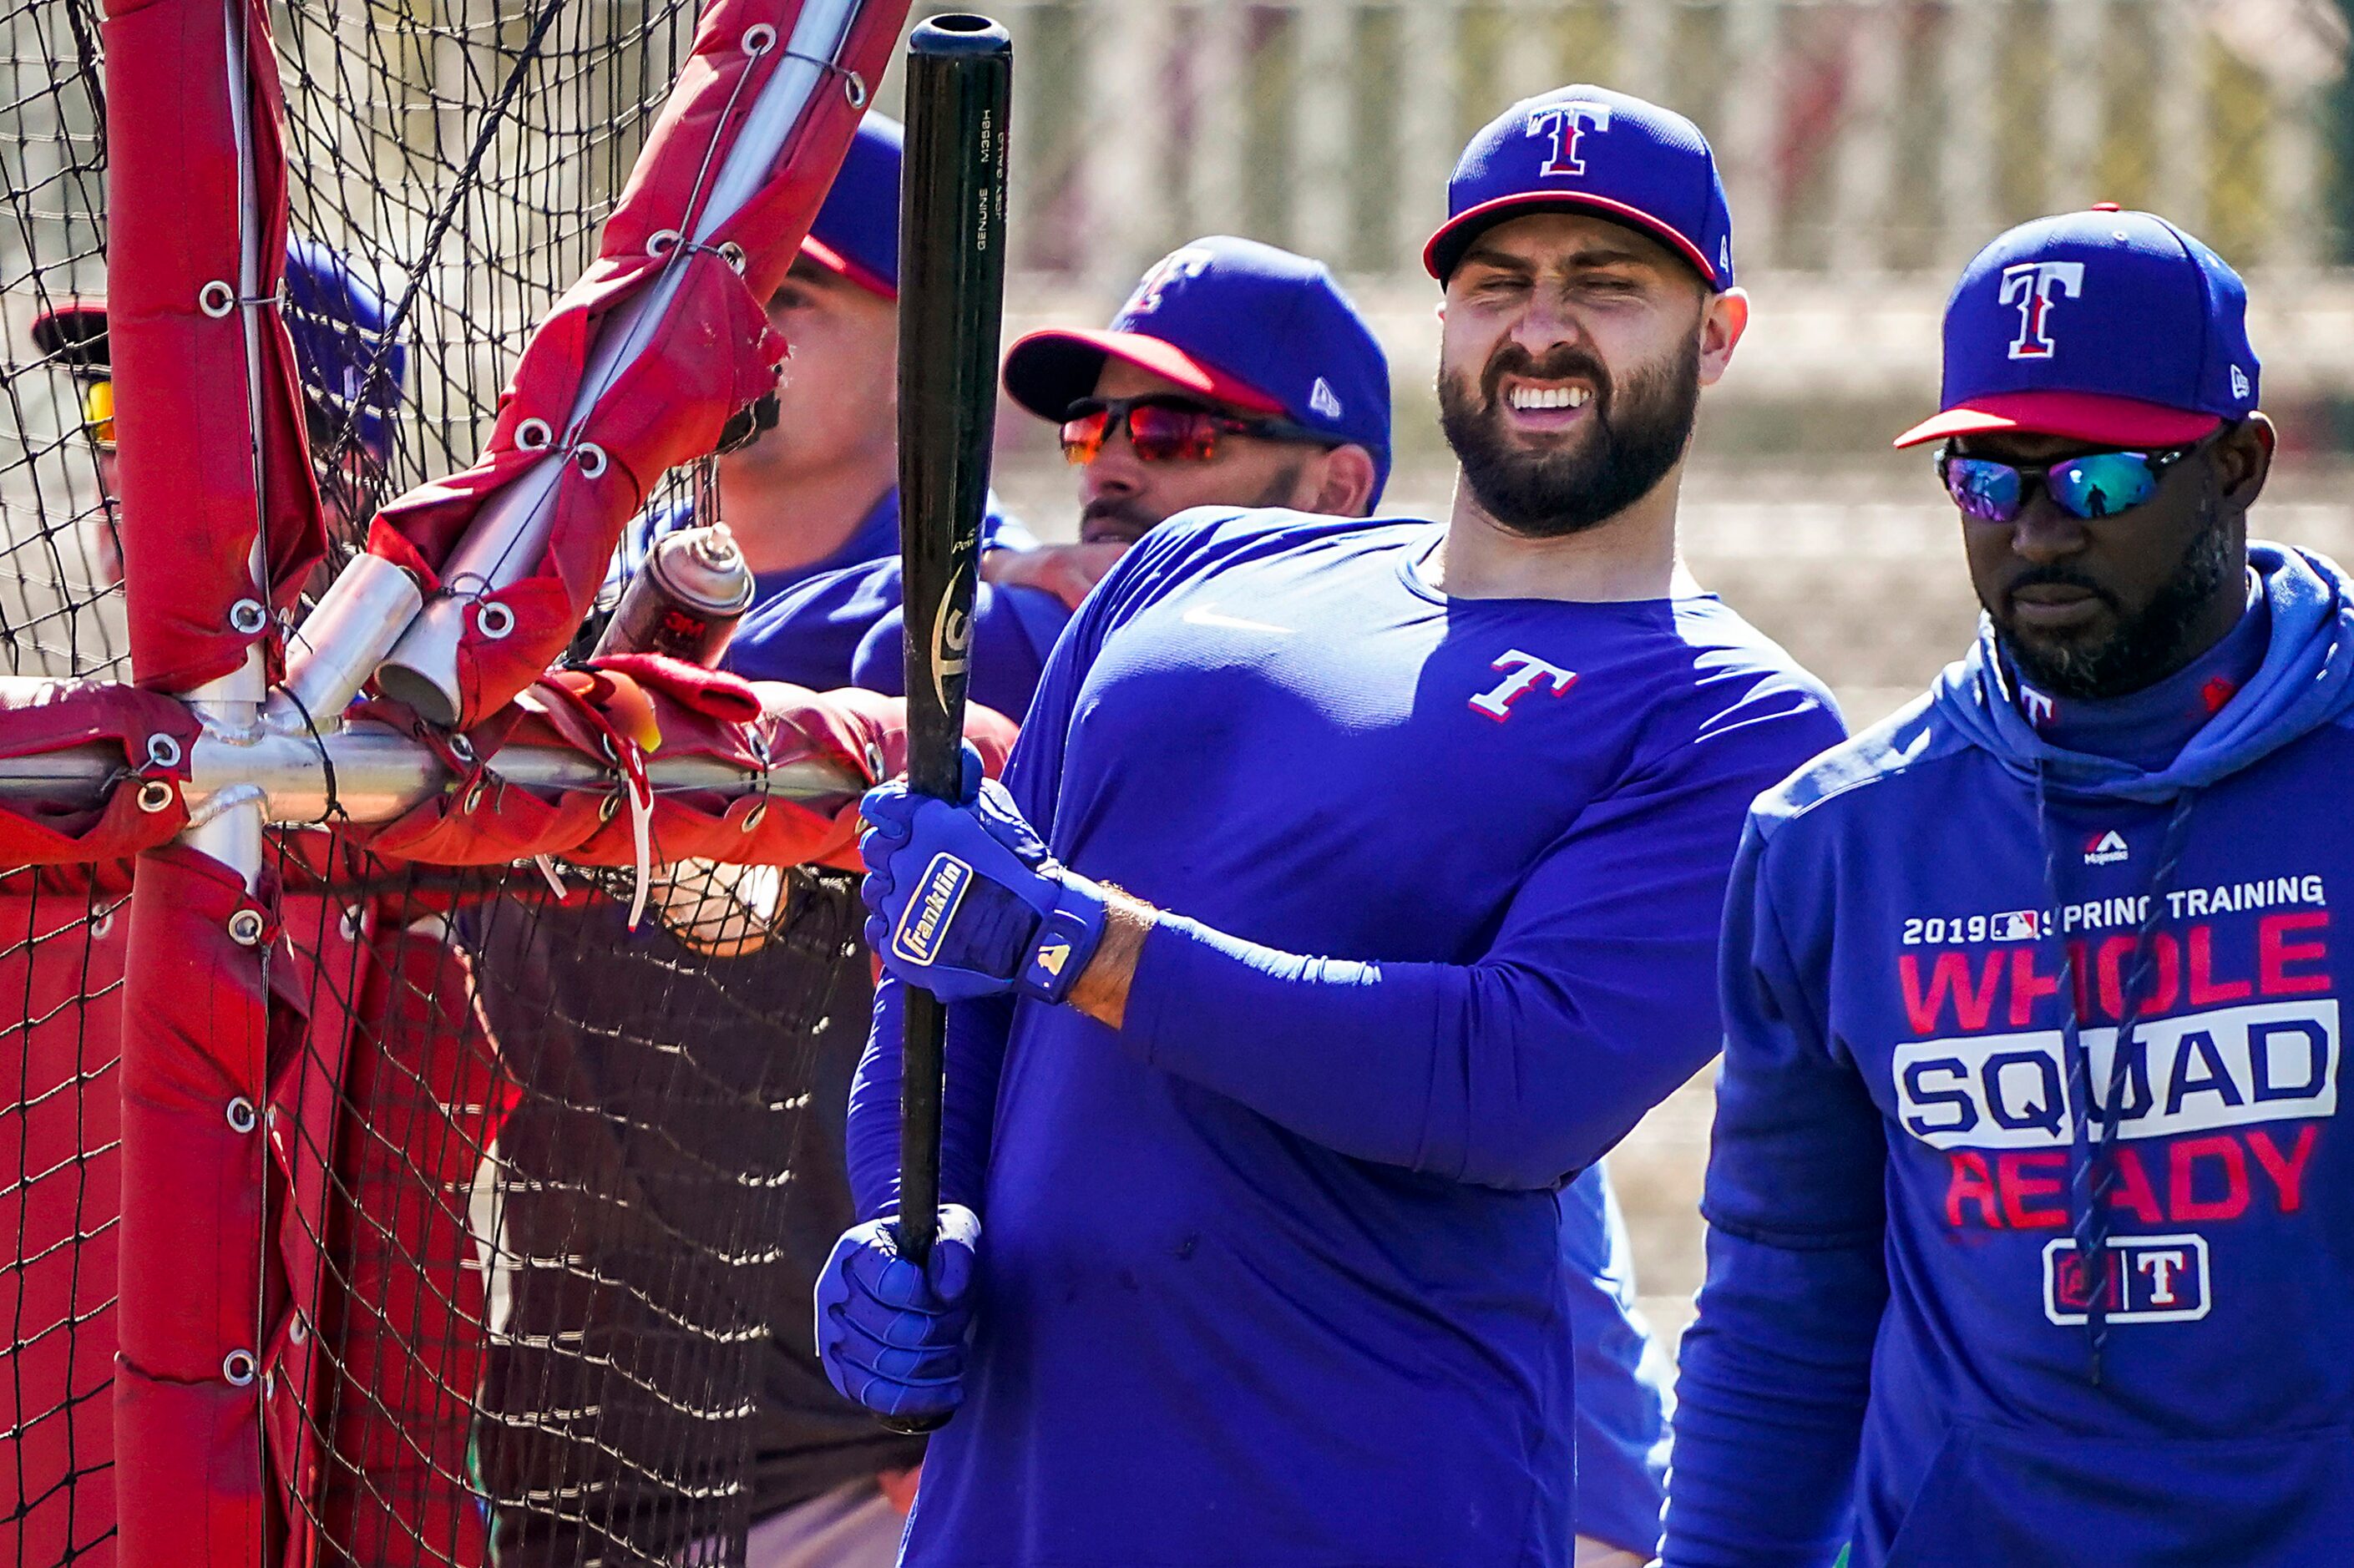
(2093, 1168)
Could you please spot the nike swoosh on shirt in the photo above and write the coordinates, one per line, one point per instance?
(1205, 614)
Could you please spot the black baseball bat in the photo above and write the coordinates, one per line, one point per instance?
(951, 301)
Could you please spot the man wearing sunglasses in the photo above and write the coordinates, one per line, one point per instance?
(1168, 409)
(2032, 1228)
(1272, 1267)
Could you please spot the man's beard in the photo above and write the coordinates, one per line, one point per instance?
(2144, 649)
(1124, 519)
(1635, 436)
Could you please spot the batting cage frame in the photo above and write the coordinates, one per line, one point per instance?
(312, 849)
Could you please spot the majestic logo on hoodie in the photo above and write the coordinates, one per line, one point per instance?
(2105, 849)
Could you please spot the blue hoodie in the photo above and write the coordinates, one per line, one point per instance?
(1893, 1344)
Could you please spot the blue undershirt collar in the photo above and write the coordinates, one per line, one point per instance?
(2150, 727)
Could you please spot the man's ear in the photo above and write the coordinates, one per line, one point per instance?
(1721, 327)
(2244, 459)
(1341, 483)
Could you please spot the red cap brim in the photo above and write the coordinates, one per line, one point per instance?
(2071, 416)
(841, 266)
(1446, 246)
(1046, 372)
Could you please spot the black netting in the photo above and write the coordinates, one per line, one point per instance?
(61, 600)
(61, 934)
(62, 937)
(576, 1183)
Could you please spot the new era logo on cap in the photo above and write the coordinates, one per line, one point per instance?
(1322, 399)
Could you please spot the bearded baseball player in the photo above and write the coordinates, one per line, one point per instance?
(1167, 410)
(1355, 887)
(2030, 1231)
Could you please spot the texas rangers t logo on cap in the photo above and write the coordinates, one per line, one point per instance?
(2031, 286)
(1567, 123)
(1177, 266)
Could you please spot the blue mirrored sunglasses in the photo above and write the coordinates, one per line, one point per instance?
(2091, 486)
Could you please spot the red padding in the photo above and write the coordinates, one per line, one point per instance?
(424, 1099)
(196, 1026)
(63, 969)
(37, 718)
(665, 709)
(715, 352)
(189, 503)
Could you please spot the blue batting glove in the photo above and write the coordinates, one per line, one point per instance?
(966, 901)
(892, 1336)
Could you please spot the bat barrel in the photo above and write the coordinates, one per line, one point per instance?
(952, 303)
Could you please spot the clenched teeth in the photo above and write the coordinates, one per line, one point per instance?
(1550, 396)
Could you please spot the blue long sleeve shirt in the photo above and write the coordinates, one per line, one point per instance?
(1273, 1274)
(1892, 1348)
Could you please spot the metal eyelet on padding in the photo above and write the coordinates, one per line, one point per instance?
(733, 254)
(591, 458)
(493, 620)
(662, 241)
(245, 928)
(247, 616)
(163, 750)
(535, 435)
(853, 87)
(240, 1366)
(758, 39)
(156, 795)
(242, 1117)
(217, 299)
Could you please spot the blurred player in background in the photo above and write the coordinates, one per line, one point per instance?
(351, 376)
(1171, 408)
(1272, 1270)
(1165, 410)
(810, 488)
(2029, 1236)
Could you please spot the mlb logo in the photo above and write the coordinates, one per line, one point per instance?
(2019, 926)
(2147, 1279)
(2106, 848)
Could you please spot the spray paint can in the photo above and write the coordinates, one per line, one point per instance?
(686, 601)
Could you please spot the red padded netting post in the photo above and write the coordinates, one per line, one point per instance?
(432, 1213)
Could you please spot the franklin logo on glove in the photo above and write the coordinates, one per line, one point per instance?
(937, 896)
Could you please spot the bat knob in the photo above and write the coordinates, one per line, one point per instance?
(913, 1425)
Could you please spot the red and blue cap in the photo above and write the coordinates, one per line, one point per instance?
(1589, 149)
(1238, 322)
(856, 233)
(2106, 326)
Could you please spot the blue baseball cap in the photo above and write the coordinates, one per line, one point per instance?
(1237, 322)
(856, 235)
(1589, 149)
(2096, 326)
(338, 322)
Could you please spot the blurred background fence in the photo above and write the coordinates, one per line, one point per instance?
(1870, 145)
